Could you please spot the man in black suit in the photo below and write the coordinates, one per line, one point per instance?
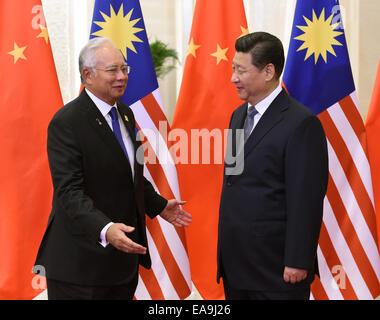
(96, 237)
(271, 207)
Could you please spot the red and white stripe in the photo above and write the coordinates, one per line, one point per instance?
(169, 277)
(347, 253)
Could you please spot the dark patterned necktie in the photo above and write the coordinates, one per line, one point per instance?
(249, 122)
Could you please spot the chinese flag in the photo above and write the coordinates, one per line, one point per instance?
(29, 97)
(372, 126)
(206, 101)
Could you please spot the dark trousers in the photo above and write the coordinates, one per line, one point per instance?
(58, 290)
(239, 294)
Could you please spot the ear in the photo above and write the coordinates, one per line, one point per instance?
(270, 71)
(87, 75)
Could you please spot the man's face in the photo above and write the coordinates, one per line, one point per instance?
(109, 81)
(250, 82)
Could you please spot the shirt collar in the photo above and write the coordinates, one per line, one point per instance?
(264, 104)
(103, 107)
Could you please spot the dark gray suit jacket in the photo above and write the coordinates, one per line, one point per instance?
(93, 186)
(270, 214)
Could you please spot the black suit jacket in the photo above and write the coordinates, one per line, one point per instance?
(93, 186)
(271, 213)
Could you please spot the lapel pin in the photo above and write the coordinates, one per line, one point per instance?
(99, 122)
(126, 118)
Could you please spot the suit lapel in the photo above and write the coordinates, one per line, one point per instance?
(239, 119)
(101, 127)
(271, 117)
(237, 123)
(127, 123)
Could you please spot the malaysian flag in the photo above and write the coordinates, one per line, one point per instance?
(318, 74)
(122, 22)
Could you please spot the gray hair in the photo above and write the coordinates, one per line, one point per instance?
(87, 58)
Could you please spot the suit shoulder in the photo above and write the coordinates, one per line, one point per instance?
(68, 112)
(299, 109)
(240, 109)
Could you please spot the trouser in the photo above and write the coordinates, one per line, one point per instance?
(239, 294)
(59, 290)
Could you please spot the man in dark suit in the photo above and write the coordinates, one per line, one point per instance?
(271, 207)
(96, 238)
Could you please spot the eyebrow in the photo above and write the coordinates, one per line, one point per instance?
(116, 65)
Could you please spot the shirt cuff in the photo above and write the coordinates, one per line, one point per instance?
(103, 241)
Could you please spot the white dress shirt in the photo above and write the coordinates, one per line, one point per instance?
(263, 105)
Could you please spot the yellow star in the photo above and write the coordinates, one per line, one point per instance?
(44, 34)
(319, 36)
(17, 53)
(120, 29)
(244, 31)
(220, 54)
(191, 49)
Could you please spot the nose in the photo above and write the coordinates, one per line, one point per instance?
(234, 77)
(121, 75)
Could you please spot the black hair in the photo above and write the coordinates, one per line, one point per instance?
(264, 48)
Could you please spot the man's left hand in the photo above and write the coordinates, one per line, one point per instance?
(174, 213)
(294, 275)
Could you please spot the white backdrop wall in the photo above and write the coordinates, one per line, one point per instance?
(170, 21)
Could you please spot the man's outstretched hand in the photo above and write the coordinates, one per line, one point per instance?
(174, 213)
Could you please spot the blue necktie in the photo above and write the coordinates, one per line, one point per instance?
(251, 112)
(116, 129)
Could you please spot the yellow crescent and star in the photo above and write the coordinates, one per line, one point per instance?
(319, 36)
(18, 51)
(221, 52)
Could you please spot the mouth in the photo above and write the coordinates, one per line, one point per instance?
(120, 87)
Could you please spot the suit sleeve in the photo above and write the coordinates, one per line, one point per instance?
(65, 161)
(306, 176)
(154, 203)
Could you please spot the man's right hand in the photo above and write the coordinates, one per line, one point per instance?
(115, 235)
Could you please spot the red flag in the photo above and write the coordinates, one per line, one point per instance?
(205, 103)
(372, 126)
(29, 98)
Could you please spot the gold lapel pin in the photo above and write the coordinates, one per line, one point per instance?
(126, 118)
(99, 122)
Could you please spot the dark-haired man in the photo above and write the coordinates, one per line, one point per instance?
(271, 212)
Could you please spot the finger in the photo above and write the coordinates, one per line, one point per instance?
(186, 214)
(175, 202)
(126, 228)
(182, 221)
(286, 277)
(134, 247)
(125, 244)
(186, 219)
